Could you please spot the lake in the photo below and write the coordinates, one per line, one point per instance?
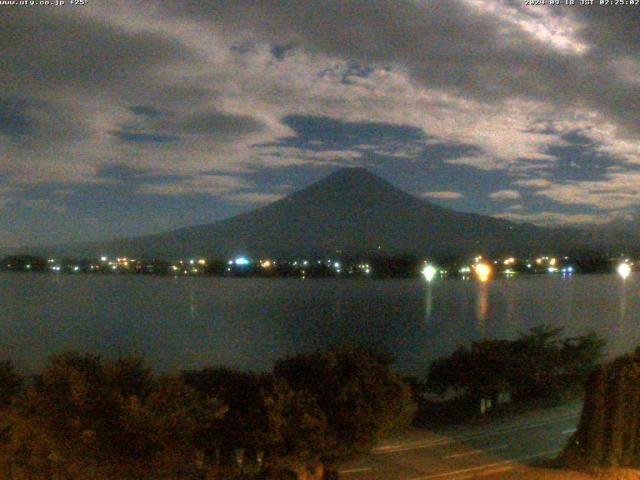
(178, 323)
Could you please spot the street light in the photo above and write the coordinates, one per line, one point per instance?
(429, 272)
(624, 270)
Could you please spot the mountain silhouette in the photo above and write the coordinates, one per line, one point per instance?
(352, 211)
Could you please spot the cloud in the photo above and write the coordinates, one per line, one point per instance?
(481, 162)
(533, 183)
(147, 111)
(554, 218)
(252, 198)
(619, 191)
(195, 185)
(507, 66)
(62, 51)
(218, 124)
(28, 121)
(13, 118)
(281, 156)
(505, 195)
(135, 137)
(491, 93)
(323, 130)
(443, 195)
(490, 55)
(154, 126)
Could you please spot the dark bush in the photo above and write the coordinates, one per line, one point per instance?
(91, 418)
(358, 392)
(536, 366)
(11, 384)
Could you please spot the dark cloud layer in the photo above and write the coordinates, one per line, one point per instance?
(451, 46)
(154, 125)
(218, 124)
(13, 118)
(135, 137)
(331, 133)
(46, 50)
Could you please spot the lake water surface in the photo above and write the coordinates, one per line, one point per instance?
(178, 323)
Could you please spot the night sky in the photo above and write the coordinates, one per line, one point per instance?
(120, 118)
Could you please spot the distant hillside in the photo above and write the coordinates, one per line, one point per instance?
(351, 211)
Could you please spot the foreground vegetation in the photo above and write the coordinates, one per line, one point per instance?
(537, 368)
(84, 417)
(608, 434)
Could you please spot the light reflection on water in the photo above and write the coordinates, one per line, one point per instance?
(482, 305)
(429, 301)
(248, 323)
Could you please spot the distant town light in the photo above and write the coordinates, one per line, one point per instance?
(483, 270)
(624, 270)
(241, 261)
(429, 272)
(104, 258)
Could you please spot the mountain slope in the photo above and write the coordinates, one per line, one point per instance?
(352, 211)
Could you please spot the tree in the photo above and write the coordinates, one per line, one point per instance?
(590, 437)
(264, 415)
(296, 427)
(245, 422)
(536, 365)
(358, 392)
(11, 383)
(93, 418)
(616, 418)
(607, 433)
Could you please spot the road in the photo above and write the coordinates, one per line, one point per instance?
(467, 452)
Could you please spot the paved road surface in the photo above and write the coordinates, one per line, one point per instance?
(468, 452)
